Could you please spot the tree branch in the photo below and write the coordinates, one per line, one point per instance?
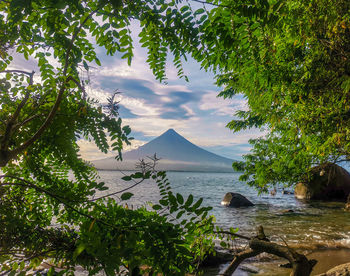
(30, 74)
(11, 122)
(18, 125)
(233, 234)
(238, 258)
(209, 3)
(118, 192)
(59, 98)
(42, 190)
(259, 244)
(60, 199)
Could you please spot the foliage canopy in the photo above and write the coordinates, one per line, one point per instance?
(290, 60)
(45, 213)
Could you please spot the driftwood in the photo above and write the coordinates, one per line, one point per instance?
(259, 244)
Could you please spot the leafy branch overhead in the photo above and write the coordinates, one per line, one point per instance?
(290, 61)
(48, 207)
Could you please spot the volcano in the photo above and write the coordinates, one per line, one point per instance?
(176, 153)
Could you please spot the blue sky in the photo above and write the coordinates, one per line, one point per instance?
(150, 107)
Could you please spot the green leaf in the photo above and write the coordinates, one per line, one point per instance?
(157, 207)
(126, 196)
(189, 201)
(137, 175)
(80, 248)
(163, 202)
(179, 214)
(86, 66)
(126, 178)
(179, 198)
(199, 11)
(197, 204)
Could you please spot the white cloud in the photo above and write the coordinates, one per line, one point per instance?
(89, 151)
(139, 107)
(222, 106)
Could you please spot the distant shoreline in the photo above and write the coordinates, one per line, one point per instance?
(128, 170)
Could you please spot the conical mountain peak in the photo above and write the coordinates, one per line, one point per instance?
(172, 146)
(176, 153)
(170, 132)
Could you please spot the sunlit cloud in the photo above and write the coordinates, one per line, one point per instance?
(220, 106)
(150, 107)
(89, 151)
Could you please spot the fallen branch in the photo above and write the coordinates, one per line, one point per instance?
(259, 244)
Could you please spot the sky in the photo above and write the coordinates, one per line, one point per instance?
(150, 108)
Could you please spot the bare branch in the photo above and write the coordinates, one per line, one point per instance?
(81, 87)
(16, 126)
(233, 234)
(238, 258)
(299, 263)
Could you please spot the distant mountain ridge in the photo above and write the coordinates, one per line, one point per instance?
(176, 154)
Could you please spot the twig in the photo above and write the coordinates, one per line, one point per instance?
(58, 198)
(118, 192)
(61, 200)
(18, 125)
(233, 234)
(30, 74)
(209, 3)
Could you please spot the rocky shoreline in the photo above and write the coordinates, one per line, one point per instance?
(328, 262)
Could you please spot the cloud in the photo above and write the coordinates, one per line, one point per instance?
(150, 107)
(142, 98)
(220, 106)
(89, 151)
(126, 112)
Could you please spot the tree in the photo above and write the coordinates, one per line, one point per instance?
(290, 60)
(44, 213)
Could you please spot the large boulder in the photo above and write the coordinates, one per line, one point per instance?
(236, 200)
(325, 182)
(340, 270)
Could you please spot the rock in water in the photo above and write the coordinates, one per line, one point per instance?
(236, 200)
(327, 182)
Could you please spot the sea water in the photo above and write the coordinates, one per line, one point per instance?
(284, 218)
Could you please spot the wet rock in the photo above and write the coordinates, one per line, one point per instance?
(249, 269)
(327, 182)
(236, 200)
(340, 270)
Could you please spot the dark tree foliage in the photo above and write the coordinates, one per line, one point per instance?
(47, 210)
(290, 60)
